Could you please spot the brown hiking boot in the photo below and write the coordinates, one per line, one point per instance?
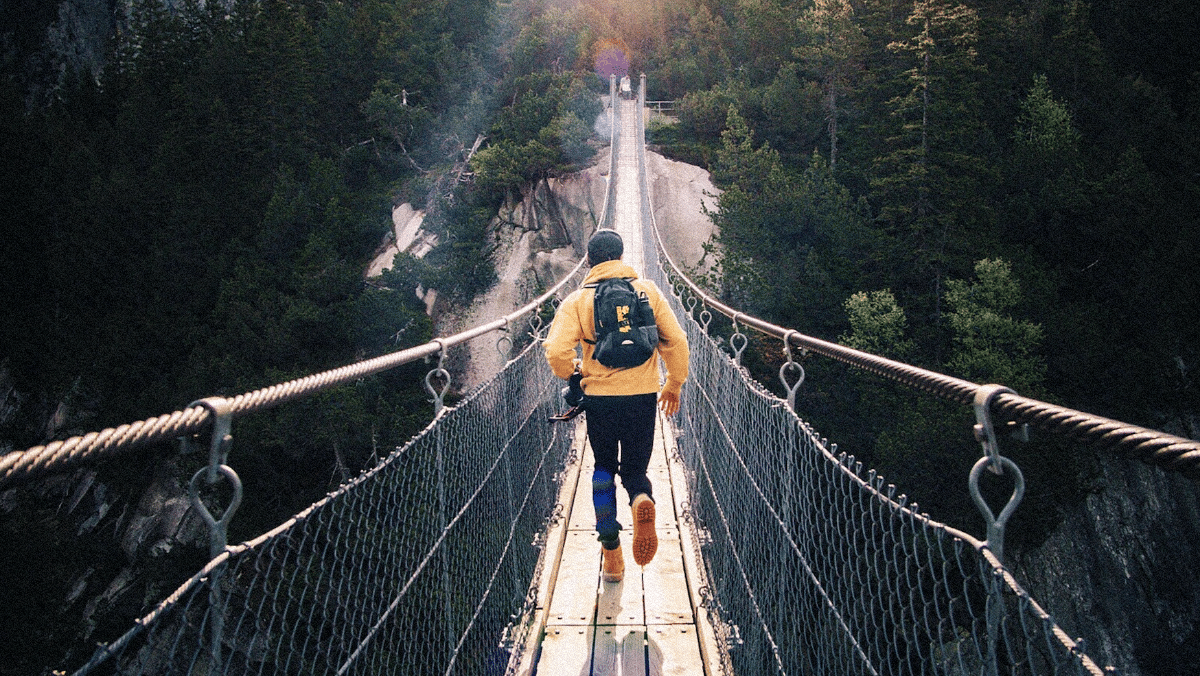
(614, 565)
(645, 540)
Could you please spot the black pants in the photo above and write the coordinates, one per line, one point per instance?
(621, 431)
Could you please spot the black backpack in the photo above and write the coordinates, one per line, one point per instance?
(626, 333)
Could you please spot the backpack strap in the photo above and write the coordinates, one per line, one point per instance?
(592, 286)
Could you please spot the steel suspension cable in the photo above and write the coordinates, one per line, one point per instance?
(94, 446)
(59, 455)
(1166, 451)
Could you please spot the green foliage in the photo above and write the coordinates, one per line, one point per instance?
(922, 443)
(768, 215)
(926, 182)
(570, 135)
(546, 128)
(195, 220)
(499, 169)
(989, 345)
(388, 110)
(877, 325)
(680, 69)
(833, 55)
(1044, 128)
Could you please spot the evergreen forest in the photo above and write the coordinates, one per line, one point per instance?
(1002, 191)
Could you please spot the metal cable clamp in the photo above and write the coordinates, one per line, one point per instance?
(505, 336)
(737, 333)
(985, 433)
(441, 372)
(535, 325)
(222, 439)
(791, 365)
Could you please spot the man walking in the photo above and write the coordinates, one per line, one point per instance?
(620, 402)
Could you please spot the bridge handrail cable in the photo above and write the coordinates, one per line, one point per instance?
(1166, 451)
(1001, 581)
(95, 446)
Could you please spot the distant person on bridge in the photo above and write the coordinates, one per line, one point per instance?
(619, 403)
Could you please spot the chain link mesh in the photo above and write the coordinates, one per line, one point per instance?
(418, 566)
(816, 567)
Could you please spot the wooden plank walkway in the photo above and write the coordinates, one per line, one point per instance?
(651, 622)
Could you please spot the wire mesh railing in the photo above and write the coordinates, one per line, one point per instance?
(813, 565)
(414, 567)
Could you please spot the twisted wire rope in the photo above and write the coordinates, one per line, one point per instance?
(358, 581)
(58, 455)
(94, 446)
(1166, 451)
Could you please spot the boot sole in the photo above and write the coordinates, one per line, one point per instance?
(645, 539)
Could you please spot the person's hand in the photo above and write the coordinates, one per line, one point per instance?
(668, 401)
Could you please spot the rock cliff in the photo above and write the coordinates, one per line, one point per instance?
(541, 238)
(1120, 571)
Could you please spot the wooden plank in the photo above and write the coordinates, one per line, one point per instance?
(664, 504)
(666, 590)
(606, 651)
(574, 598)
(551, 556)
(620, 603)
(633, 652)
(659, 460)
(583, 513)
(557, 533)
(711, 651)
(566, 651)
(619, 651)
(673, 650)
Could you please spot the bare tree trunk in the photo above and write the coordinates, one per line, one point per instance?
(833, 127)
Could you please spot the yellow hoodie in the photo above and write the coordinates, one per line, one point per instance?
(575, 322)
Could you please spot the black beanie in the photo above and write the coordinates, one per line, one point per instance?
(605, 245)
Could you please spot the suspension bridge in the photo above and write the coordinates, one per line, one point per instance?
(470, 550)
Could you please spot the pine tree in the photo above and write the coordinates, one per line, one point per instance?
(927, 185)
(832, 54)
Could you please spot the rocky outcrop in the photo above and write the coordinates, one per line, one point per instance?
(1120, 571)
(679, 193)
(540, 239)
